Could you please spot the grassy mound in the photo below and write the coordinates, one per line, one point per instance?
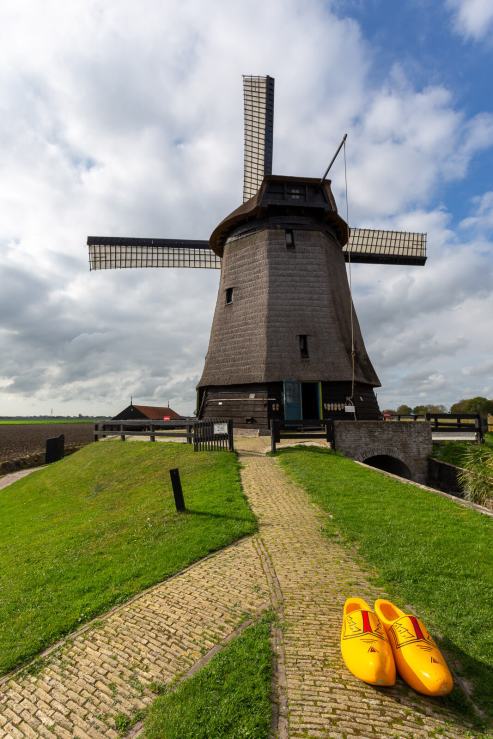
(428, 551)
(227, 699)
(94, 529)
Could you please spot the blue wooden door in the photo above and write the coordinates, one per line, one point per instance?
(292, 400)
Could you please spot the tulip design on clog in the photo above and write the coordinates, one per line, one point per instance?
(364, 644)
(418, 659)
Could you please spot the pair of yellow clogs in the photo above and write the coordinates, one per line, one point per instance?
(375, 643)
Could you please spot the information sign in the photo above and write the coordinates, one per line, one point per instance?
(220, 428)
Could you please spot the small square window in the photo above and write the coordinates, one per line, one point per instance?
(295, 193)
(229, 295)
(303, 339)
(290, 240)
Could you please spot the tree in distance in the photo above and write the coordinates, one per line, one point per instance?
(479, 405)
(420, 410)
(404, 410)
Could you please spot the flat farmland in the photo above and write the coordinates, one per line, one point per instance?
(21, 440)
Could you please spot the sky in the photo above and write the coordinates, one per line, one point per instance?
(125, 119)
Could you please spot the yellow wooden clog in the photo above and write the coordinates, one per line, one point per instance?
(364, 644)
(418, 659)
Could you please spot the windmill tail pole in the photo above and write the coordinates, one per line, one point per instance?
(334, 158)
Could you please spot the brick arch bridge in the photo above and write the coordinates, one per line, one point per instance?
(402, 448)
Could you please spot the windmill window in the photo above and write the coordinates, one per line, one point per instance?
(295, 193)
(303, 340)
(229, 295)
(290, 240)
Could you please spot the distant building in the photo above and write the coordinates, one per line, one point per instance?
(147, 412)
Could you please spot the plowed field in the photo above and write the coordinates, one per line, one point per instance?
(18, 441)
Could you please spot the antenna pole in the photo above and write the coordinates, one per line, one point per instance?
(334, 158)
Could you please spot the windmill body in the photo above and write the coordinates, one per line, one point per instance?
(285, 341)
(280, 343)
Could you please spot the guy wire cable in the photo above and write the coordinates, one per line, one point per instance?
(351, 310)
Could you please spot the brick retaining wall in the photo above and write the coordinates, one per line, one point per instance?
(444, 476)
(408, 442)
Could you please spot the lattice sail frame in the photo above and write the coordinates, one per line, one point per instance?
(106, 252)
(375, 246)
(370, 246)
(258, 95)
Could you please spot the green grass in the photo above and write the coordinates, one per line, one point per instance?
(426, 550)
(453, 451)
(227, 699)
(99, 526)
(43, 421)
(450, 451)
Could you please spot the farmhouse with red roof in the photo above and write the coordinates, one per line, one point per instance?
(147, 412)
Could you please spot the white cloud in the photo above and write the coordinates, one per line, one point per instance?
(127, 120)
(482, 221)
(429, 328)
(406, 142)
(472, 18)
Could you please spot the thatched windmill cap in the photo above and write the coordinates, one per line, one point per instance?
(298, 196)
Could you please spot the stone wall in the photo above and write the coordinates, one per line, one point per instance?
(408, 442)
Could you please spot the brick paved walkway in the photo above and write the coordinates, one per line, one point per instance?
(315, 574)
(108, 668)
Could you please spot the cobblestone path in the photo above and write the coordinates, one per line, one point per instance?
(108, 669)
(315, 574)
(82, 684)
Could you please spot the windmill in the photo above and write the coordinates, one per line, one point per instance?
(285, 341)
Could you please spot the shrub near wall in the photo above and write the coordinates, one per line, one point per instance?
(477, 476)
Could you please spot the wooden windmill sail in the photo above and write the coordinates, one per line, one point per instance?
(282, 344)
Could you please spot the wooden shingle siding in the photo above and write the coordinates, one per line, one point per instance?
(237, 346)
(289, 320)
(309, 295)
(280, 294)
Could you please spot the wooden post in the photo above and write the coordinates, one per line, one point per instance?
(152, 434)
(273, 435)
(177, 490)
(122, 435)
(96, 434)
(230, 436)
